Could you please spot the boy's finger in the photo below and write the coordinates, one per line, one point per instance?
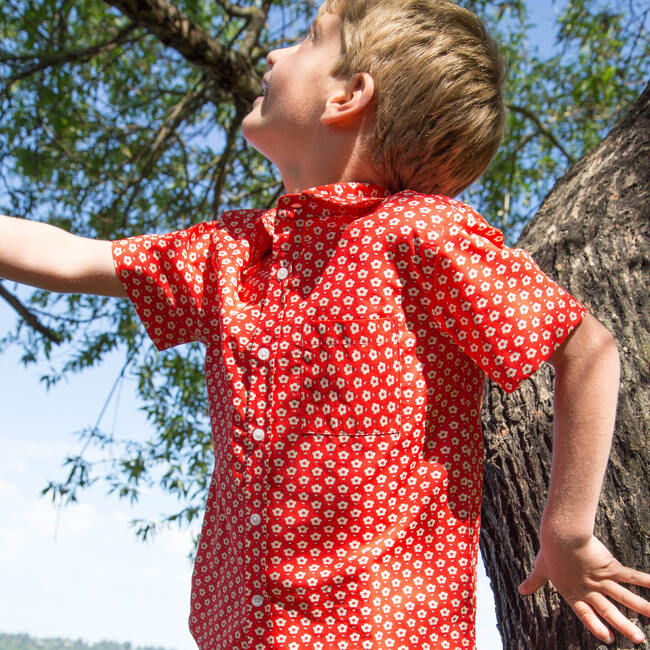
(531, 584)
(615, 618)
(589, 619)
(626, 598)
(634, 577)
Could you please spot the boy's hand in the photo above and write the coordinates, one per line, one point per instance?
(587, 575)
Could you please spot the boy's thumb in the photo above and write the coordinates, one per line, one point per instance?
(531, 584)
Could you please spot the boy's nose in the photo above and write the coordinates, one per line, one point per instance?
(274, 55)
(271, 57)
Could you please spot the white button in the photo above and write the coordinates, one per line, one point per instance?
(257, 601)
(263, 354)
(258, 435)
(256, 520)
(283, 274)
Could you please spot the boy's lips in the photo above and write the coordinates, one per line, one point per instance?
(265, 85)
(265, 88)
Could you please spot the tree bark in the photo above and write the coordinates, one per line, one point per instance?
(592, 234)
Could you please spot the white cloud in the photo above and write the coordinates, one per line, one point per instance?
(90, 578)
(18, 456)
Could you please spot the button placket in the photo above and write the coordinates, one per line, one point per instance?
(263, 352)
(262, 368)
(255, 543)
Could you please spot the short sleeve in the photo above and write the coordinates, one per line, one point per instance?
(502, 310)
(169, 278)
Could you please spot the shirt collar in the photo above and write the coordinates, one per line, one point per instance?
(348, 194)
(351, 196)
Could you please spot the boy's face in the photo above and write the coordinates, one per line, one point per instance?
(285, 123)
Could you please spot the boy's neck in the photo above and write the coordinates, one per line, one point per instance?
(337, 159)
(297, 188)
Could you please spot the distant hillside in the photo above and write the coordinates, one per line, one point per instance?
(26, 642)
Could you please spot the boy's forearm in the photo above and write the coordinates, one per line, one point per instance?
(586, 391)
(47, 257)
(580, 567)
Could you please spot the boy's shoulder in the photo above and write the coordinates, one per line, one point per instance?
(436, 216)
(427, 216)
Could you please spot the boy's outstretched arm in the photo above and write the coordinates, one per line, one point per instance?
(578, 565)
(43, 256)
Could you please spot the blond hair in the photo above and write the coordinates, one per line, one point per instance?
(439, 111)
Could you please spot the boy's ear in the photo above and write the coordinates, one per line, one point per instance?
(352, 98)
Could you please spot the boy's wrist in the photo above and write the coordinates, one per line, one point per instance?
(564, 530)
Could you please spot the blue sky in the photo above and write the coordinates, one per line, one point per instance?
(79, 572)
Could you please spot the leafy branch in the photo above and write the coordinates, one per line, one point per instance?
(179, 113)
(545, 131)
(222, 168)
(77, 56)
(29, 317)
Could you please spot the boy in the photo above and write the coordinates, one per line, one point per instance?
(347, 334)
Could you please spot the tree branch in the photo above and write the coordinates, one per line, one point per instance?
(222, 169)
(238, 12)
(29, 317)
(230, 69)
(255, 27)
(79, 56)
(190, 102)
(542, 129)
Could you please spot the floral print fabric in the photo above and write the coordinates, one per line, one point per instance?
(347, 334)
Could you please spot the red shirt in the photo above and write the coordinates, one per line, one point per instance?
(347, 338)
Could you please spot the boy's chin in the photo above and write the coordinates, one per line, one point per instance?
(250, 126)
(253, 132)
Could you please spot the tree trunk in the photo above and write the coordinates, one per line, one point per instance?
(592, 234)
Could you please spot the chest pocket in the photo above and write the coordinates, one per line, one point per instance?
(351, 377)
